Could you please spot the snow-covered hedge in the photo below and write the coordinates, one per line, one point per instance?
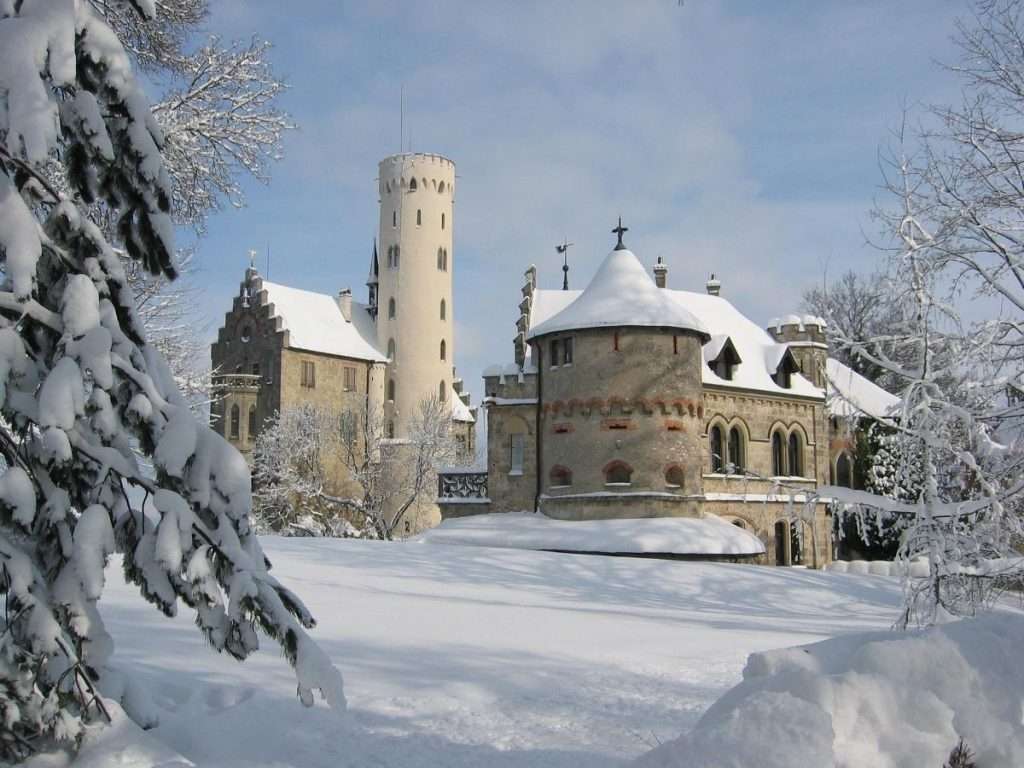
(881, 699)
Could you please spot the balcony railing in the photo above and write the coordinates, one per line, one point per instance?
(462, 485)
(248, 381)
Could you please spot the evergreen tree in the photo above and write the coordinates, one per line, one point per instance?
(80, 389)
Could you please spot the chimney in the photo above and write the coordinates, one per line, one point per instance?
(660, 273)
(345, 303)
(713, 286)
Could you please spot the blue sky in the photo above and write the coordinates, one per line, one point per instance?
(739, 138)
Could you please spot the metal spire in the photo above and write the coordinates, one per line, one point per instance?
(620, 231)
(564, 250)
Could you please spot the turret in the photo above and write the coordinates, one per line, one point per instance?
(805, 337)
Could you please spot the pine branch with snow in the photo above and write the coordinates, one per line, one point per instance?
(80, 389)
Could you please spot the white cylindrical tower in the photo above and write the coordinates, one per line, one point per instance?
(416, 260)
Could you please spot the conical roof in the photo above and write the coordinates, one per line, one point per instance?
(621, 294)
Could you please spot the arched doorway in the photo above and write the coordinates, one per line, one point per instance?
(781, 540)
(795, 554)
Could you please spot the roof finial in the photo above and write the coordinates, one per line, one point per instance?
(564, 250)
(252, 258)
(620, 231)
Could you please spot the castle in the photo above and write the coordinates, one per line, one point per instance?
(281, 346)
(630, 400)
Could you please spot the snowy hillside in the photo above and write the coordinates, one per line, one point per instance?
(464, 656)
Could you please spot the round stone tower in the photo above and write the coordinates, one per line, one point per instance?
(414, 293)
(620, 399)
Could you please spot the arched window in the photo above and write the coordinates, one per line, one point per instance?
(444, 351)
(796, 468)
(412, 185)
(391, 349)
(443, 309)
(391, 309)
(397, 253)
(442, 215)
(419, 217)
(844, 471)
(717, 452)
(561, 476)
(618, 473)
(440, 258)
(441, 392)
(394, 218)
(391, 390)
(736, 450)
(674, 476)
(778, 455)
(445, 261)
(391, 430)
(252, 422)
(236, 416)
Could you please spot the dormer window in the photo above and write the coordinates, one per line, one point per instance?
(783, 374)
(722, 357)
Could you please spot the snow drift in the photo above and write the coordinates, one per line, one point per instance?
(886, 700)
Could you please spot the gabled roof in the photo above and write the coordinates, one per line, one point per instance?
(314, 322)
(850, 394)
(621, 294)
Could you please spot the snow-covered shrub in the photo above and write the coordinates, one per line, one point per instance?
(80, 390)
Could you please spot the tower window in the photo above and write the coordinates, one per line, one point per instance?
(440, 188)
(255, 369)
(443, 309)
(391, 390)
(554, 353)
(394, 218)
(517, 453)
(675, 345)
(412, 185)
(252, 422)
(674, 476)
(391, 350)
(844, 471)
(390, 432)
(440, 258)
(442, 393)
(561, 477)
(567, 351)
(618, 473)
(442, 215)
(391, 309)
(308, 374)
(615, 341)
(419, 217)
(444, 352)
(235, 418)
(349, 379)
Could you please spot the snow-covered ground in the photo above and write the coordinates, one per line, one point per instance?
(465, 656)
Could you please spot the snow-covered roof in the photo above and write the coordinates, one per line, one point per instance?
(460, 411)
(621, 294)
(850, 394)
(315, 323)
(709, 535)
(759, 352)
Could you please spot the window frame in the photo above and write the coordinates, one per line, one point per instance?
(234, 422)
(516, 445)
(348, 376)
(307, 374)
(717, 452)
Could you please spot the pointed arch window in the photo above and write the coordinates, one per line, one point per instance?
(391, 309)
(736, 450)
(419, 217)
(391, 430)
(394, 218)
(413, 185)
(391, 350)
(252, 422)
(778, 455)
(440, 258)
(796, 468)
(442, 215)
(236, 417)
(443, 309)
(444, 351)
(391, 390)
(442, 392)
(717, 450)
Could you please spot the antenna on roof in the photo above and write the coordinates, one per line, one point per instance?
(564, 250)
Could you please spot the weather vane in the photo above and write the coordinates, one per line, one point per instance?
(564, 250)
